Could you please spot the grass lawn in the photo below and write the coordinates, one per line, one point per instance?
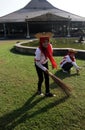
(22, 109)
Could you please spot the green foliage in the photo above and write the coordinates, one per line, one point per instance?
(22, 109)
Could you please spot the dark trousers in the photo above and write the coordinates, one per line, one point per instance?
(41, 76)
(67, 66)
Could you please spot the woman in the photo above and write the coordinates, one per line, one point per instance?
(69, 61)
(43, 52)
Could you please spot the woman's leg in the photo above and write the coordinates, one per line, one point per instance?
(67, 66)
(46, 79)
(40, 77)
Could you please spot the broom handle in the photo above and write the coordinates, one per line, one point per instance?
(58, 79)
(50, 73)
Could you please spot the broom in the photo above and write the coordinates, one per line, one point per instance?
(62, 85)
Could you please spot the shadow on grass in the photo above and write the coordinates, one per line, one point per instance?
(10, 120)
(13, 50)
(61, 76)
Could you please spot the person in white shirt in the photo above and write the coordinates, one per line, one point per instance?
(42, 54)
(69, 61)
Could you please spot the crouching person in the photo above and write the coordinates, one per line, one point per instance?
(69, 61)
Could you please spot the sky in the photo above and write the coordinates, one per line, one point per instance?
(73, 6)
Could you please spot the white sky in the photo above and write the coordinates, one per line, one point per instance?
(72, 6)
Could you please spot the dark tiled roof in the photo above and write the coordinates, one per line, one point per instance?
(39, 10)
(39, 4)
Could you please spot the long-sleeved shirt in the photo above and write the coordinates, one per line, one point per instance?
(40, 59)
(69, 60)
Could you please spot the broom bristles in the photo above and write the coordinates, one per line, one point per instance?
(67, 89)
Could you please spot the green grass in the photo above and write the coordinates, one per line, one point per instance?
(22, 109)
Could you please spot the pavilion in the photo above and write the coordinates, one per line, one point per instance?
(40, 16)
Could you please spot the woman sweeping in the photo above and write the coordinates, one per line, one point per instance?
(42, 54)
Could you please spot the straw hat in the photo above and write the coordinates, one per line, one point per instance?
(44, 34)
(72, 51)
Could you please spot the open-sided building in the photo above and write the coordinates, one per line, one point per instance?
(40, 16)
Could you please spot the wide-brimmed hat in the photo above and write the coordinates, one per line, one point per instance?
(44, 34)
(72, 51)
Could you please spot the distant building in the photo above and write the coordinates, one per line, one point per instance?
(40, 16)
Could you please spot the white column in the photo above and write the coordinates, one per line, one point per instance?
(27, 36)
(4, 26)
(68, 28)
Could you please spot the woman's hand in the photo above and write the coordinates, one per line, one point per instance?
(78, 70)
(47, 72)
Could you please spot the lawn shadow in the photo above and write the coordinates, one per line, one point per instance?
(14, 51)
(61, 75)
(12, 119)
